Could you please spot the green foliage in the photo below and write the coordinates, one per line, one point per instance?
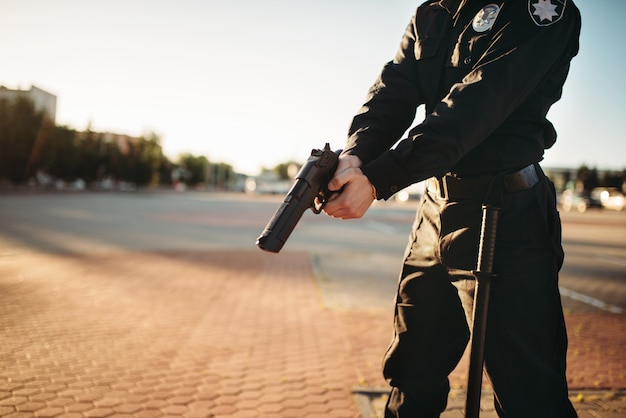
(20, 125)
(60, 155)
(285, 170)
(193, 169)
(196, 170)
(615, 179)
(147, 155)
(588, 177)
(585, 179)
(29, 143)
(221, 176)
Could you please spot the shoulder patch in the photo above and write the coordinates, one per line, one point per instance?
(546, 12)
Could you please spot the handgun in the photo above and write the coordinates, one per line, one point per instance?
(309, 191)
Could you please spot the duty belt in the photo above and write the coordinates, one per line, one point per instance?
(450, 187)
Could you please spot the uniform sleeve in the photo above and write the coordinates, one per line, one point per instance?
(392, 101)
(518, 60)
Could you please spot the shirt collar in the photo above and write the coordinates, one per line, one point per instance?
(452, 6)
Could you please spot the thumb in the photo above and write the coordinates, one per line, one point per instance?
(345, 167)
(342, 178)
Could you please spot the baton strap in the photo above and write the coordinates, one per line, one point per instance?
(458, 188)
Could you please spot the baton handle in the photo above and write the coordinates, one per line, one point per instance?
(483, 274)
(487, 244)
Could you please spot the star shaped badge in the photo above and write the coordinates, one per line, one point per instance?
(546, 12)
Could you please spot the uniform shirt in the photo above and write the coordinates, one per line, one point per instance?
(487, 73)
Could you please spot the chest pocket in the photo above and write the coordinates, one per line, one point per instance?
(474, 37)
(426, 47)
(469, 48)
(433, 26)
(430, 50)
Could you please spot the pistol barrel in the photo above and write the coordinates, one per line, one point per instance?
(311, 182)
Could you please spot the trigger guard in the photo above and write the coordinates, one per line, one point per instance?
(323, 196)
(318, 209)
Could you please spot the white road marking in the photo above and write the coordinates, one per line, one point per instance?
(591, 301)
(612, 260)
(381, 227)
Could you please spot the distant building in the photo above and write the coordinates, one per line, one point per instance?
(44, 101)
(122, 142)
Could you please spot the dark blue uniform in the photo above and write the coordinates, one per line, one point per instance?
(487, 73)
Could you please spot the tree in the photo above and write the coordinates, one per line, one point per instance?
(92, 157)
(615, 179)
(287, 171)
(60, 156)
(20, 127)
(587, 177)
(195, 169)
(146, 157)
(222, 175)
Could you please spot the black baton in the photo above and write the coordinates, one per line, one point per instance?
(483, 274)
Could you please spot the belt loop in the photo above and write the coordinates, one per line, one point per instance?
(443, 187)
(494, 192)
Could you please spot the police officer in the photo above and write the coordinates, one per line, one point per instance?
(487, 72)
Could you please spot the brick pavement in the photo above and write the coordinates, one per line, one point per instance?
(207, 334)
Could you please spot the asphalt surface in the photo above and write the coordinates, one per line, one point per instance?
(214, 332)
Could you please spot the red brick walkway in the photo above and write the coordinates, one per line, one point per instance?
(207, 334)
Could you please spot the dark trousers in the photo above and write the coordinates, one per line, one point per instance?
(526, 341)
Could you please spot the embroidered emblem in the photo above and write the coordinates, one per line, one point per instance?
(546, 12)
(485, 18)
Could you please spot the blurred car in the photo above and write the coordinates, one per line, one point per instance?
(600, 197)
(412, 192)
(571, 200)
(610, 198)
(267, 185)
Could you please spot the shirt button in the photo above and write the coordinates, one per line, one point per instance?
(467, 61)
(393, 189)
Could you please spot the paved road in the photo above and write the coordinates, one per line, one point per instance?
(160, 305)
(358, 260)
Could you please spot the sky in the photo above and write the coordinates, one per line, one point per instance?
(257, 83)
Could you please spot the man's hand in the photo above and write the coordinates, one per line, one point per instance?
(357, 194)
